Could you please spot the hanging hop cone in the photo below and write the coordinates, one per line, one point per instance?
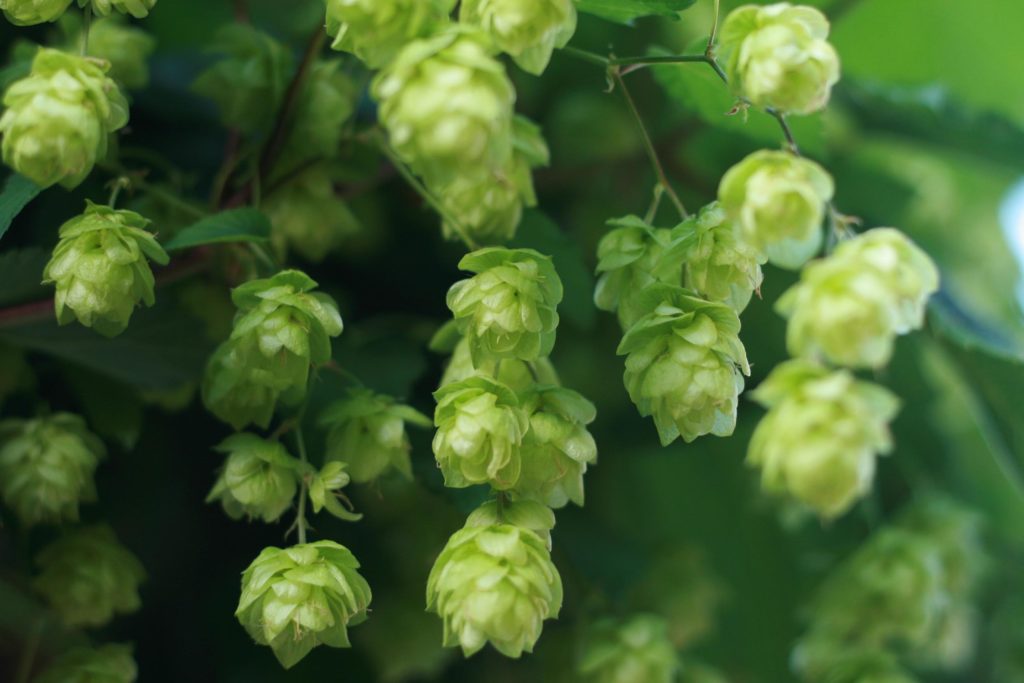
(31, 12)
(528, 30)
(307, 217)
(135, 8)
(376, 30)
(259, 478)
(126, 48)
(636, 650)
(104, 664)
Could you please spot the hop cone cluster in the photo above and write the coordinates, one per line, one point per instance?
(308, 218)
(528, 30)
(46, 467)
(297, 598)
(127, 49)
(376, 30)
(281, 328)
(259, 478)
(87, 577)
(58, 118)
(135, 8)
(637, 650)
(105, 664)
(31, 12)
(101, 268)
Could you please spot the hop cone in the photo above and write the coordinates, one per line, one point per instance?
(685, 364)
(58, 118)
(528, 30)
(100, 268)
(105, 664)
(307, 217)
(376, 30)
(297, 598)
(47, 465)
(259, 479)
(524, 514)
(126, 48)
(31, 12)
(87, 577)
(637, 650)
(822, 433)
(136, 8)
(820, 660)
(515, 374)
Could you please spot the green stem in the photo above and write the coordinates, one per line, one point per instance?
(501, 501)
(710, 50)
(300, 517)
(115, 192)
(86, 26)
(586, 56)
(263, 257)
(786, 130)
(652, 210)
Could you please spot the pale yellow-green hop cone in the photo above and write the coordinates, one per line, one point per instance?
(494, 583)
(778, 56)
(376, 30)
(821, 436)
(447, 105)
(720, 265)
(525, 514)
(509, 308)
(87, 577)
(819, 659)
(126, 48)
(557, 447)
(636, 650)
(58, 118)
(101, 268)
(104, 664)
(849, 307)
(135, 8)
(31, 12)
(519, 376)
(295, 599)
(307, 217)
(528, 30)
(685, 364)
(480, 428)
(47, 466)
(259, 478)
(778, 201)
(366, 431)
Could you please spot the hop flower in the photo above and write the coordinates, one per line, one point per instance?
(106, 664)
(375, 30)
(47, 465)
(494, 583)
(515, 374)
(31, 12)
(528, 30)
(849, 307)
(136, 8)
(126, 48)
(637, 650)
(297, 598)
(777, 56)
(480, 428)
(685, 364)
(58, 118)
(821, 435)
(87, 577)
(557, 447)
(259, 479)
(282, 327)
(524, 514)
(957, 533)
(821, 660)
(508, 309)
(447, 103)
(366, 431)
(307, 216)
(778, 202)
(100, 268)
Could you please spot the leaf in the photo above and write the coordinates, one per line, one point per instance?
(17, 193)
(236, 225)
(625, 11)
(21, 273)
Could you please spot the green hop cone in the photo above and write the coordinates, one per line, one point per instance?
(136, 8)
(87, 577)
(528, 30)
(447, 105)
(104, 664)
(366, 431)
(525, 514)
(821, 436)
(58, 118)
(307, 217)
(957, 532)
(47, 466)
(375, 30)
(297, 598)
(494, 583)
(509, 308)
(821, 660)
(778, 201)
(101, 268)
(778, 56)
(849, 307)
(515, 374)
(636, 650)
(31, 12)
(259, 478)
(480, 428)
(557, 447)
(282, 328)
(685, 364)
(126, 48)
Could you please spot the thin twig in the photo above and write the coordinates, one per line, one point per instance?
(300, 517)
(786, 130)
(710, 50)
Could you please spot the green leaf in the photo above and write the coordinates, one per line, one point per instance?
(21, 273)
(625, 11)
(17, 193)
(236, 225)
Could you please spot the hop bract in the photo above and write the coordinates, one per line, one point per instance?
(58, 118)
(282, 328)
(136, 8)
(375, 30)
(849, 307)
(31, 12)
(307, 217)
(47, 465)
(126, 48)
(494, 583)
(778, 201)
(297, 598)
(259, 479)
(637, 650)
(100, 268)
(366, 431)
(480, 427)
(87, 577)
(105, 664)
(528, 30)
(509, 308)
(822, 433)
(778, 56)
(685, 364)
(515, 374)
